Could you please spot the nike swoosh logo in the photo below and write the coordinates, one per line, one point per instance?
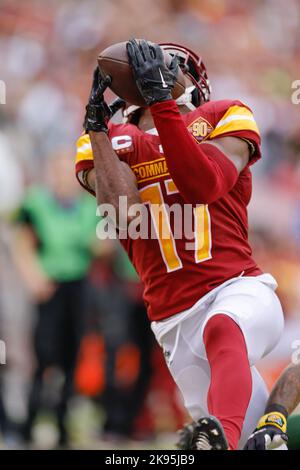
(164, 85)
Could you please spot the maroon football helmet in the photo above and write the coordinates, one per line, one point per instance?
(193, 67)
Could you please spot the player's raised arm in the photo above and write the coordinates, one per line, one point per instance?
(285, 396)
(212, 168)
(110, 178)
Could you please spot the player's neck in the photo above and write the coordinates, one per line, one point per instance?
(146, 121)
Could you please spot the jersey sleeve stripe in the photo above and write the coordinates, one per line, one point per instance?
(236, 118)
(84, 149)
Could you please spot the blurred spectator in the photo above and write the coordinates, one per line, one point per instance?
(286, 174)
(128, 342)
(11, 182)
(3, 420)
(53, 251)
(3, 415)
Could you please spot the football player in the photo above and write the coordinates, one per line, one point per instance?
(271, 429)
(212, 309)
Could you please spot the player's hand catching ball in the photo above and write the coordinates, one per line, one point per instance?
(98, 113)
(153, 77)
(269, 434)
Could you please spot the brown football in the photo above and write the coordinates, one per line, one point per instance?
(113, 61)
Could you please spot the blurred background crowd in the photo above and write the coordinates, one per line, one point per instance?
(82, 368)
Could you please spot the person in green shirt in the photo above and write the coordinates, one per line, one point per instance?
(55, 232)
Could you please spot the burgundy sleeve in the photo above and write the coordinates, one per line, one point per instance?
(201, 172)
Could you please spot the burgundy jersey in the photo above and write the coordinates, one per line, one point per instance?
(177, 272)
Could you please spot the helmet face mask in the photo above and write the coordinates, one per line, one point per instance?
(193, 67)
(198, 87)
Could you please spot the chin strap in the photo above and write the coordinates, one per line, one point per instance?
(128, 111)
(184, 100)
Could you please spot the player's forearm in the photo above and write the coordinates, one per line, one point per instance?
(286, 391)
(201, 173)
(109, 178)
